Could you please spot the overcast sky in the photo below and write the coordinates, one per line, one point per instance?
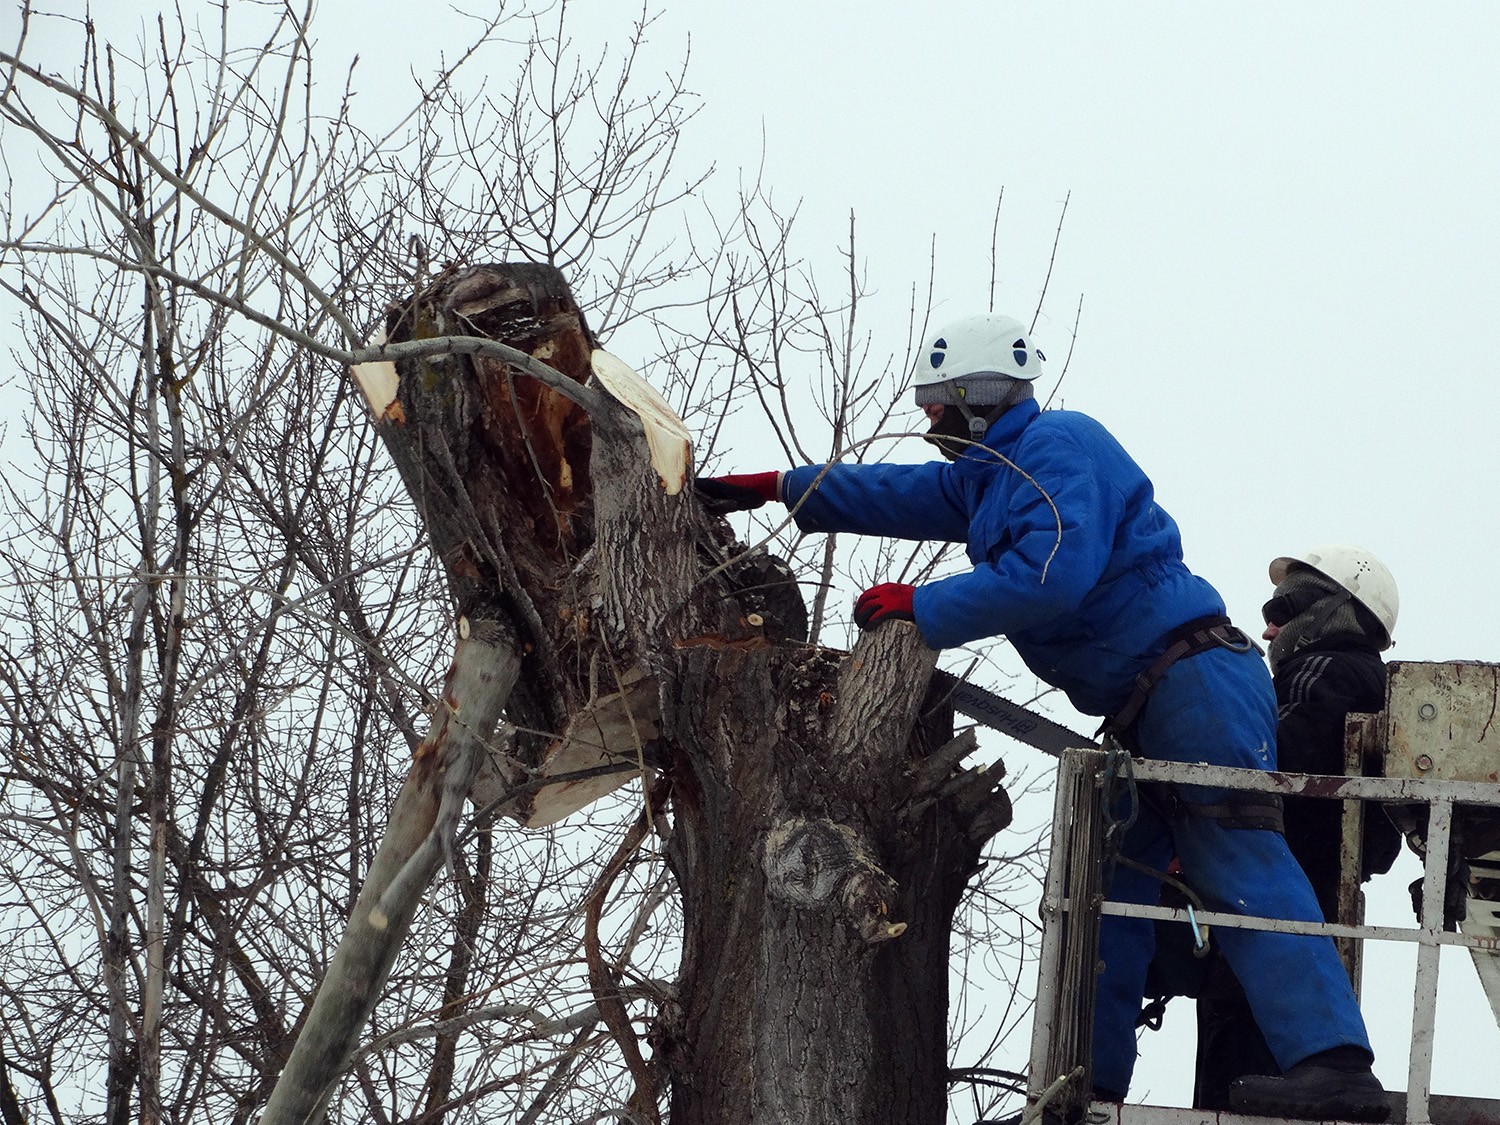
(1284, 227)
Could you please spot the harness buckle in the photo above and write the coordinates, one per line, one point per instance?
(1233, 638)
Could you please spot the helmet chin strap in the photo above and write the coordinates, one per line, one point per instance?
(948, 433)
(977, 424)
(960, 429)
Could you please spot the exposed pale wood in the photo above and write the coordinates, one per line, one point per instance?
(667, 438)
(614, 728)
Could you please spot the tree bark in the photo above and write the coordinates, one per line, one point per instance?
(822, 841)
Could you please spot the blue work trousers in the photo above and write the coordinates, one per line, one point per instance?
(1218, 707)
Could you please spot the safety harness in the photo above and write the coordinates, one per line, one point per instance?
(1177, 974)
(1237, 810)
(1198, 635)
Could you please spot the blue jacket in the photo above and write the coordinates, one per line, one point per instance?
(1074, 561)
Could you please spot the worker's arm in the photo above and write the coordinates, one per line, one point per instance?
(1060, 527)
(901, 501)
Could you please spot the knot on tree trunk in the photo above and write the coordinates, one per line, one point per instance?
(817, 863)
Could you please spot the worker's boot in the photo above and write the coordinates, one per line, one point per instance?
(1334, 1085)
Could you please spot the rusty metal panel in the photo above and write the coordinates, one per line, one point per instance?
(1443, 720)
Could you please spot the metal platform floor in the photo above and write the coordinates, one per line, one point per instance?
(1442, 1110)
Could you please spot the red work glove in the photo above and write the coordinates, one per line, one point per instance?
(737, 492)
(886, 602)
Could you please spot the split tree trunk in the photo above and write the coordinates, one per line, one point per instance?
(821, 828)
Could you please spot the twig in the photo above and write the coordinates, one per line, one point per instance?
(601, 980)
(1034, 1111)
(1056, 238)
(989, 1076)
(1068, 359)
(585, 396)
(994, 255)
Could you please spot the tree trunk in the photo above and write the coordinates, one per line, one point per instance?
(820, 827)
(822, 847)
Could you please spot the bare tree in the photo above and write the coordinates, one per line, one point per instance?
(225, 615)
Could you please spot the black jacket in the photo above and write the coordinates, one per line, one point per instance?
(1315, 688)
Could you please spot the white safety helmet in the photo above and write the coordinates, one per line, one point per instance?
(1356, 570)
(974, 360)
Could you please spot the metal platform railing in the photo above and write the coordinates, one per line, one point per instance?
(1072, 904)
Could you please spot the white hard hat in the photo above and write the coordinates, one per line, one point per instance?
(1357, 571)
(974, 359)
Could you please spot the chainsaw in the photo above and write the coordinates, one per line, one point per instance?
(998, 713)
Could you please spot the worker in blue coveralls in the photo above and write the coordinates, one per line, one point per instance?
(1076, 563)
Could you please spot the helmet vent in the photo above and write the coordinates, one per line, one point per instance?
(937, 354)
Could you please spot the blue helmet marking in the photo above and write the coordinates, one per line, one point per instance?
(938, 356)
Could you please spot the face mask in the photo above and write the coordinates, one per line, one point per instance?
(1310, 608)
(1284, 607)
(950, 433)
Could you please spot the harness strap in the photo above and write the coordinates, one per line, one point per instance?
(1244, 810)
(1198, 635)
(1237, 809)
